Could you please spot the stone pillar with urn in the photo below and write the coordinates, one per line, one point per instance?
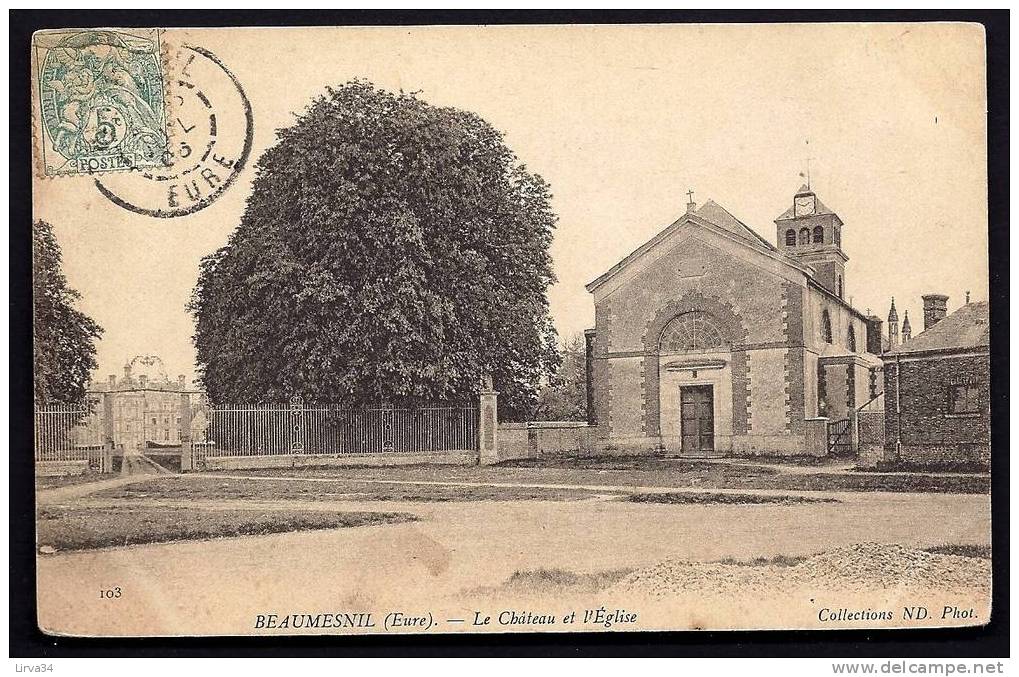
(106, 462)
(488, 423)
(187, 455)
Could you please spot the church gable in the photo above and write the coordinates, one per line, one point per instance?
(701, 266)
(733, 238)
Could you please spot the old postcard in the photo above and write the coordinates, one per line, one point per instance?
(457, 329)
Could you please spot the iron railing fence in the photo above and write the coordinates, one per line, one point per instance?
(299, 428)
(69, 432)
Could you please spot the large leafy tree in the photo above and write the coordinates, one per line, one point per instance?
(391, 250)
(63, 336)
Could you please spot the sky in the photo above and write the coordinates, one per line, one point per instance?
(621, 121)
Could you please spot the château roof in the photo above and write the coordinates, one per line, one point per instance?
(968, 327)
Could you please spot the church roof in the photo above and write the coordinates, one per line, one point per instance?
(819, 207)
(714, 216)
(967, 327)
(721, 217)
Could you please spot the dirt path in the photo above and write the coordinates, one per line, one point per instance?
(220, 585)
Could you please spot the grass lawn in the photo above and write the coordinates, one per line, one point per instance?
(88, 528)
(707, 498)
(634, 471)
(204, 488)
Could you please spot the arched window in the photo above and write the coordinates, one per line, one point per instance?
(818, 235)
(851, 339)
(825, 326)
(838, 237)
(805, 236)
(840, 286)
(790, 238)
(693, 331)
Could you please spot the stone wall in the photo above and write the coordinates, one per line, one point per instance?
(815, 437)
(544, 439)
(870, 427)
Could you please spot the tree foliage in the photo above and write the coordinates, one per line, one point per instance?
(390, 250)
(64, 353)
(564, 397)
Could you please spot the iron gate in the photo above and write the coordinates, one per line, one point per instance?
(840, 439)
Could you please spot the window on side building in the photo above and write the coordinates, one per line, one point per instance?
(964, 399)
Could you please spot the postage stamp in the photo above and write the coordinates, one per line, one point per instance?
(101, 95)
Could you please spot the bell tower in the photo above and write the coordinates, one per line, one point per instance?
(812, 234)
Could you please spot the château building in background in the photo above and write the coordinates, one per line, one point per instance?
(147, 405)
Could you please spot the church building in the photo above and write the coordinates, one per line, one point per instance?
(710, 340)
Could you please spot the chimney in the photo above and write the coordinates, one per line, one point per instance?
(127, 370)
(113, 381)
(181, 383)
(935, 307)
(143, 380)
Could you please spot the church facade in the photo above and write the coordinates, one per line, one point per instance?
(710, 340)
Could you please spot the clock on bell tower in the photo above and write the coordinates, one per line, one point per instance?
(812, 234)
(804, 204)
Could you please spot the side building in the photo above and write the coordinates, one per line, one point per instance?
(937, 390)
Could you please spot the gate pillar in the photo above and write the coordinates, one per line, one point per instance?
(106, 462)
(488, 424)
(187, 449)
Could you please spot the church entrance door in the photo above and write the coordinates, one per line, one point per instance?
(697, 413)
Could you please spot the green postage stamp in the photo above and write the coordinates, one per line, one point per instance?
(102, 105)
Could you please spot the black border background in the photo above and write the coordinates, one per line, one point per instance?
(26, 640)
